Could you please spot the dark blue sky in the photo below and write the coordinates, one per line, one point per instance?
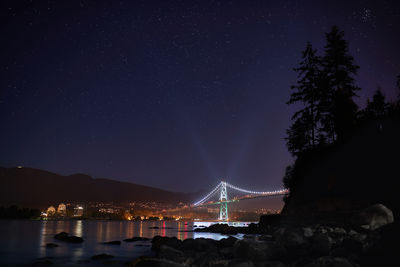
(172, 94)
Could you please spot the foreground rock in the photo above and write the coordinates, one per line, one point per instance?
(283, 244)
(63, 236)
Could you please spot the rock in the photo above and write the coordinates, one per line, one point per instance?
(321, 245)
(51, 245)
(136, 238)
(226, 242)
(351, 245)
(307, 232)
(385, 249)
(331, 262)
(102, 256)
(373, 217)
(153, 262)
(63, 236)
(257, 251)
(294, 242)
(172, 242)
(112, 243)
(201, 244)
(166, 252)
(206, 258)
(154, 227)
(221, 228)
(339, 231)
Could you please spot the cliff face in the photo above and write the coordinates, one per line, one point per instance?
(362, 171)
(36, 188)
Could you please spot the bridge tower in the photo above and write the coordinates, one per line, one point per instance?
(223, 198)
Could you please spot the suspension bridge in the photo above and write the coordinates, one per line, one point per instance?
(224, 200)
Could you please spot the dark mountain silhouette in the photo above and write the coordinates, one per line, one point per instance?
(38, 188)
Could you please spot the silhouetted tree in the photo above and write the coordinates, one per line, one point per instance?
(377, 108)
(338, 107)
(299, 137)
(306, 91)
(398, 88)
(288, 178)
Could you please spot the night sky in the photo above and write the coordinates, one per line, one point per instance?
(171, 94)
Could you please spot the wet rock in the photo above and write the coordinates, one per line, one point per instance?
(102, 256)
(112, 243)
(51, 245)
(63, 236)
(136, 238)
(219, 228)
(373, 217)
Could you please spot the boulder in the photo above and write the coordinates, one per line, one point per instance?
(169, 253)
(373, 217)
(247, 249)
(63, 236)
(307, 232)
(172, 242)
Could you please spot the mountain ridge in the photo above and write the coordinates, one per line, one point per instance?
(32, 187)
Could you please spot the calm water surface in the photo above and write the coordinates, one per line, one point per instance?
(23, 242)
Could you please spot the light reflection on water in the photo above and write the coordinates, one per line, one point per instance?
(23, 242)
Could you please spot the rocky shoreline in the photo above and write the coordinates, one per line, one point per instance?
(371, 243)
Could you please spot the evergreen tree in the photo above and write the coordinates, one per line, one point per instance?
(339, 68)
(398, 87)
(377, 108)
(302, 134)
(299, 136)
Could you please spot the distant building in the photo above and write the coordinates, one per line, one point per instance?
(62, 210)
(78, 211)
(51, 211)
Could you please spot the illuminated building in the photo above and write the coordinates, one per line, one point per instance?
(51, 211)
(78, 211)
(62, 209)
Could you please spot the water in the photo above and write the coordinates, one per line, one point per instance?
(23, 242)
